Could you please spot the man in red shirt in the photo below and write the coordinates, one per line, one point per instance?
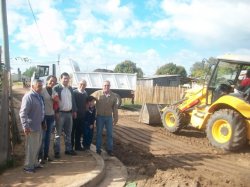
(246, 82)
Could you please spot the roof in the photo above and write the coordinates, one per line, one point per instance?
(241, 59)
(159, 76)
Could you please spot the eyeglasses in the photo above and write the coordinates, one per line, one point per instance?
(107, 85)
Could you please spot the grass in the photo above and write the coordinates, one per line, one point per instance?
(132, 107)
(8, 164)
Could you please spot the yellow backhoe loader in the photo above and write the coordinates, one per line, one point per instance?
(217, 107)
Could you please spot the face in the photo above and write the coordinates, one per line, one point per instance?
(92, 103)
(106, 86)
(82, 85)
(38, 87)
(51, 82)
(65, 80)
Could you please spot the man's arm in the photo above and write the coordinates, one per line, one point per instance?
(115, 112)
(23, 113)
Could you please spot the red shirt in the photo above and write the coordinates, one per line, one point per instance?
(245, 82)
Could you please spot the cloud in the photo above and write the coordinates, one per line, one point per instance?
(206, 23)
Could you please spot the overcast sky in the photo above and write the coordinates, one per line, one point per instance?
(103, 33)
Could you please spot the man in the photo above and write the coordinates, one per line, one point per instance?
(80, 97)
(107, 115)
(31, 116)
(67, 109)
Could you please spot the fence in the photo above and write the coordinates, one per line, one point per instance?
(4, 120)
(158, 94)
(9, 134)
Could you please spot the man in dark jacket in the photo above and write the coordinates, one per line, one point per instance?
(67, 109)
(80, 97)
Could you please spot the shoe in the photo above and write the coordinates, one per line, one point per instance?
(99, 152)
(48, 159)
(42, 161)
(80, 149)
(110, 153)
(57, 155)
(27, 170)
(39, 166)
(72, 153)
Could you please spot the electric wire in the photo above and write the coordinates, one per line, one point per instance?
(40, 34)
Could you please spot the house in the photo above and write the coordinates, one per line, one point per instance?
(160, 80)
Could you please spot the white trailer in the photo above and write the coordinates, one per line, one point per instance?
(123, 84)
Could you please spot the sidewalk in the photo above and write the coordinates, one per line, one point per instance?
(86, 168)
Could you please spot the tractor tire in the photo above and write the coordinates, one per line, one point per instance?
(173, 120)
(226, 129)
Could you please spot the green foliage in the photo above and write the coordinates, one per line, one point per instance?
(200, 69)
(171, 69)
(128, 67)
(29, 72)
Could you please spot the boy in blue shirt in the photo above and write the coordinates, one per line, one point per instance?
(90, 116)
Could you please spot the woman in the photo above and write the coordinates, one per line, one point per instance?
(48, 97)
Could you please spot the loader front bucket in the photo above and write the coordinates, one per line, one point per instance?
(150, 114)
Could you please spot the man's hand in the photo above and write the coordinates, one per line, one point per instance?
(74, 114)
(44, 126)
(26, 131)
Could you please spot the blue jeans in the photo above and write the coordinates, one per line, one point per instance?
(87, 135)
(64, 123)
(106, 121)
(49, 120)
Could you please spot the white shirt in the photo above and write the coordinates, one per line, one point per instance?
(65, 103)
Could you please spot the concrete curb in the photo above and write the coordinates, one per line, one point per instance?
(94, 177)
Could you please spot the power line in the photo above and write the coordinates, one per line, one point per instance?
(40, 34)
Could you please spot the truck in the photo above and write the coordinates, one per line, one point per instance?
(122, 84)
(218, 107)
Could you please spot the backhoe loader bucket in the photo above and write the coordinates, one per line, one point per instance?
(150, 114)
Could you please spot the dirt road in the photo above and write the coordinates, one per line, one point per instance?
(155, 157)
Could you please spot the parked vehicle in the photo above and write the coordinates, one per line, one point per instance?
(217, 107)
(123, 84)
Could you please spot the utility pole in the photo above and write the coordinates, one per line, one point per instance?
(5, 35)
(4, 112)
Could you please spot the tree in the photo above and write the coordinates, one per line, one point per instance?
(29, 72)
(200, 69)
(128, 67)
(171, 69)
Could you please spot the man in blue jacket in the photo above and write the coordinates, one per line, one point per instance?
(31, 116)
(67, 110)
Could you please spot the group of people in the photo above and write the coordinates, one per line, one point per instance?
(72, 113)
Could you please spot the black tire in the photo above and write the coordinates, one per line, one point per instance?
(226, 129)
(173, 120)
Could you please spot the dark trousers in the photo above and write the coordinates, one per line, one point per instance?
(87, 134)
(77, 132)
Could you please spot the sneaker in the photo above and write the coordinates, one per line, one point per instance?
(72, 153)
(57, 155)
(41, 161)
(99, 152)
(39, 166)
(80, 149)
(28, 170)
(48, 159)
(110, 153)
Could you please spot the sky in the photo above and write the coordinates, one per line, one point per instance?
(104, 33)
